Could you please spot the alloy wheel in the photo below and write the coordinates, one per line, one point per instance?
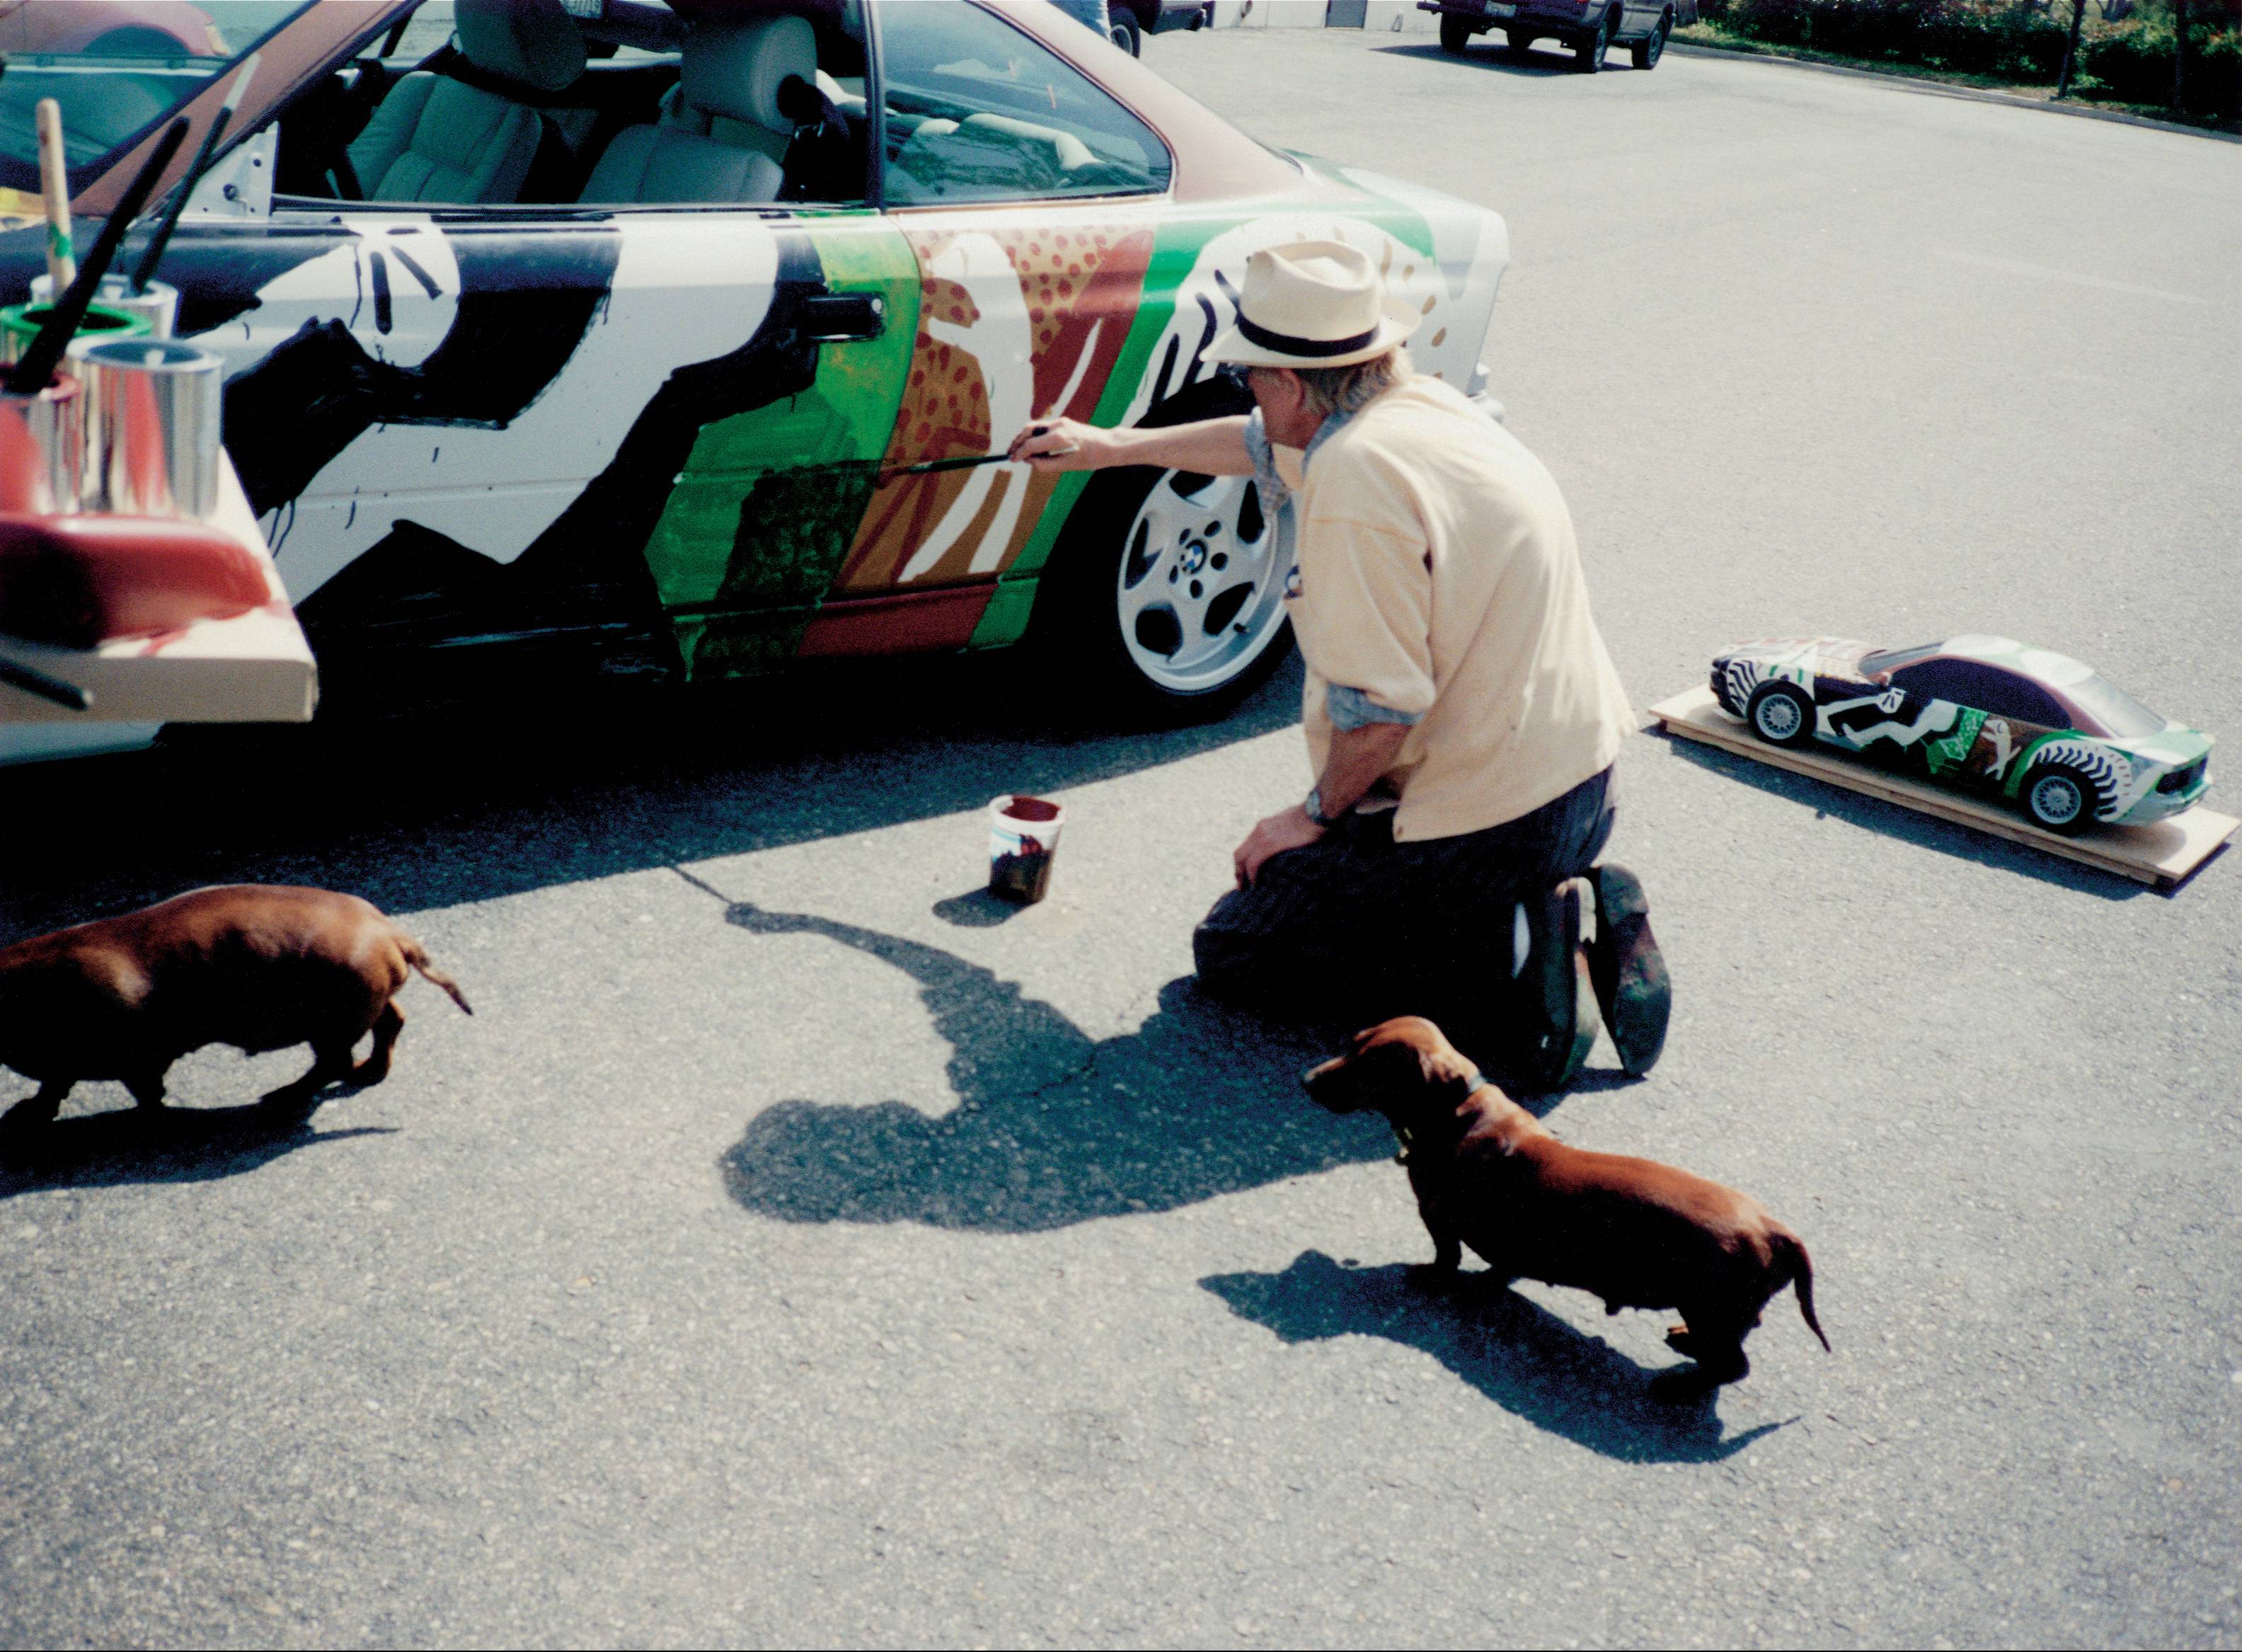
(1200, 594)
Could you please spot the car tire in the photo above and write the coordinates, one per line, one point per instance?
(1159, 619)
(1588, 54)
(1647, 50)
(1518, 40)
(1125, 32)
(1455, 33)
(1782, 713)
(2059, 797)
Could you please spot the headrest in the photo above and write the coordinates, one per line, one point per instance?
(532, 42)
(736, 70)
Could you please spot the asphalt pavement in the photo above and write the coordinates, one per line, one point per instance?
(796, 1249)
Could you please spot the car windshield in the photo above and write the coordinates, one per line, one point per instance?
(2113, 708)
(116, 70)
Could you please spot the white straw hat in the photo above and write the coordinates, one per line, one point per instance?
(1313, 304)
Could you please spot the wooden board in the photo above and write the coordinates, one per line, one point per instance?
(254, 668)
(2164, 854)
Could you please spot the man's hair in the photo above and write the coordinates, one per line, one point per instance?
(1352, 388)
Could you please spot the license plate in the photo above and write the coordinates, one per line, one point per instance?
(1501, 9)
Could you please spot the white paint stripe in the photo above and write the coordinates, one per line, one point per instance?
(2040, 271)
(1074, 383)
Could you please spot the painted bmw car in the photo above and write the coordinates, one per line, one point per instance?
(623, 337)
(1982, 713)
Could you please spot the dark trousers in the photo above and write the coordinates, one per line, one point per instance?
(1356, 927)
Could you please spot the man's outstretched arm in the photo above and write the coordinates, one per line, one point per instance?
(1211, 446)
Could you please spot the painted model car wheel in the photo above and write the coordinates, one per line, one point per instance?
(1781, 714)
(2060, 798)
(1174, 581)
(1455, 32)
(1647, 50)
(1126, 33)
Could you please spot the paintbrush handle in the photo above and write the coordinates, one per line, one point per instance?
(153, 254)
(44, 354)
(46, 686)
(54, 182)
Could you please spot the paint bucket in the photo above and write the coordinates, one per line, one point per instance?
(1022, 838)
(151, 428)
(42, 450)
(158, 306)
(19, 324)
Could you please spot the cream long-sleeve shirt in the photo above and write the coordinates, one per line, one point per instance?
(1437, 573)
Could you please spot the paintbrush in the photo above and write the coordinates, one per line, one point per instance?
(33, 680)
(54, 183)
(932, 464)
(153, 253)
(45, 353)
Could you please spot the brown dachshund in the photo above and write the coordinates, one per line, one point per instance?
(1637, 1233)
(248, 964)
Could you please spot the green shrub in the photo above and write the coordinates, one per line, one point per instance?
(2131, 62)
(2128, 62)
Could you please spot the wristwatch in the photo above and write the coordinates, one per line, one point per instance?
(1313, 807)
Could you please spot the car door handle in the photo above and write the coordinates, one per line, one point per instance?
(834, 318)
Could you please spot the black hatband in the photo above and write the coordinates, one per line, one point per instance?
(1292, 347)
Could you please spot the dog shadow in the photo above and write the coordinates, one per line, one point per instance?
(1525, 1359)
(134, 1144)
(1052, 1126)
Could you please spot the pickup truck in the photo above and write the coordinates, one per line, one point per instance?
(1590, 27)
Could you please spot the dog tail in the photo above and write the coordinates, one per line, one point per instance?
(429, 972)
(1792, 1249)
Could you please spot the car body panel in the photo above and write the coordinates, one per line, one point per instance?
(564, 425)
(1861, 706)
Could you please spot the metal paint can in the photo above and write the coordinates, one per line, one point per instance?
(42, 449)
(158, 306)
(19, 324)
(151, 428)
(1022, 838)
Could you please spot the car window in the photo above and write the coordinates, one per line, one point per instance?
(976, 111)
(1987, 688)
(115, 71)
(2117, 712)
(421, 123)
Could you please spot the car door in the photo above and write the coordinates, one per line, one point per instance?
(1977, 717)
(1028, 198)
(634, 432)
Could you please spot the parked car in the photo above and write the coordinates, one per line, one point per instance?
(1127, 22)
(610, 338)
(1981, 713)
(1588, 28)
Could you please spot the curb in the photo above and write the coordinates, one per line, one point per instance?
(1943, 88)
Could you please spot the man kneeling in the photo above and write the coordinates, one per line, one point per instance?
(1462, 716)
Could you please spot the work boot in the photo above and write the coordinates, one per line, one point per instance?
(1560, 995)
(1633, 990)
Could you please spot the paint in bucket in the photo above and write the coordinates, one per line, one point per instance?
(1022, 838)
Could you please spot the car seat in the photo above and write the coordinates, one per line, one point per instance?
(728, 84)
(437, 139)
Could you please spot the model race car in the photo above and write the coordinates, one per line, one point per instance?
(1980, 713)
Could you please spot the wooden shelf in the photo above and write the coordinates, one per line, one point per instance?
(2164, 855)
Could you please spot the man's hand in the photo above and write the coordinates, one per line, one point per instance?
(1292, 829)
(1063, 444)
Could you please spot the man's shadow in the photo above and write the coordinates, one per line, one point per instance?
(1526, 1360)
(137, 1145)
(1052, 1126)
